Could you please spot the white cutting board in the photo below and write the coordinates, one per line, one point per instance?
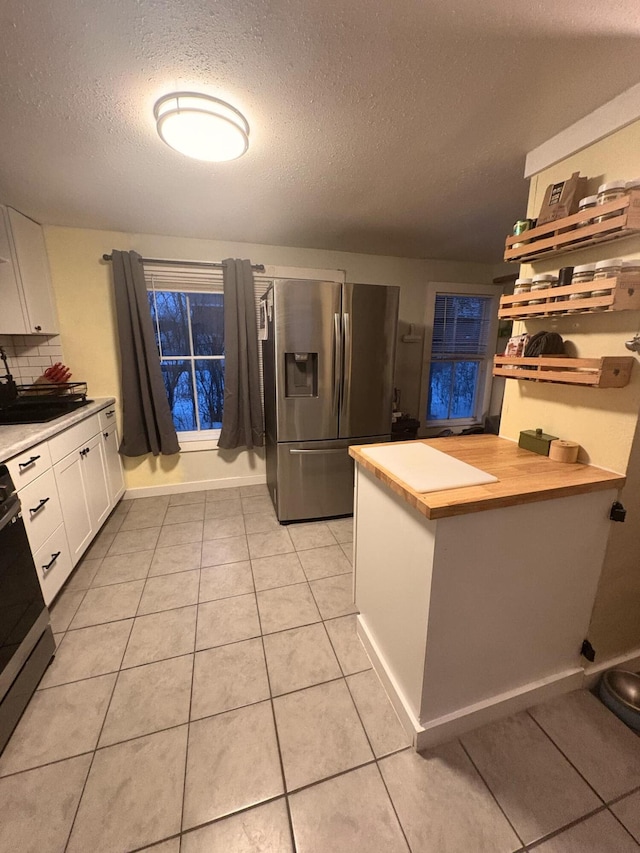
(425, 469)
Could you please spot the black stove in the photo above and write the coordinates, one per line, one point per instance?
(26, 640)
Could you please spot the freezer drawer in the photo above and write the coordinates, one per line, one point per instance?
(315, 478)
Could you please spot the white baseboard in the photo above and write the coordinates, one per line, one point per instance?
(197, 486)
(426, 735)
(405, 713)
(629, 660)
(466, 719)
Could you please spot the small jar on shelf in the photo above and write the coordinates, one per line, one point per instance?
(585, 206)
(630, 267)
(544, 281)
(611, 191)
(582, 274)
(522, 285)
(605, 269)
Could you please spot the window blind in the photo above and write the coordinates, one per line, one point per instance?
(460, 326)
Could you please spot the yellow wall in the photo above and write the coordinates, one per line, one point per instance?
(84, 296)
(602, 421)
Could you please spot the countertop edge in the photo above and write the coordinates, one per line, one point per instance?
(10, 447)
(473, 499)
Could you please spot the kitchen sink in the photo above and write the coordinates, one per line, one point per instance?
(30, 412)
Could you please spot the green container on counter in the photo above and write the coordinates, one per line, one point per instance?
(536, 441)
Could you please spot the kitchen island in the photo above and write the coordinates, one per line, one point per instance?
(474, 601)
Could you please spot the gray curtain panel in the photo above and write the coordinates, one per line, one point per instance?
(147, 425)
(242, 411)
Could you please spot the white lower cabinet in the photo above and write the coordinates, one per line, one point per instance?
(53, 563)
(84, 493)
(115, 477)
(40, 509)
(67, 486)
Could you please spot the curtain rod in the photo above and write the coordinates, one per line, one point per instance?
(256, 267)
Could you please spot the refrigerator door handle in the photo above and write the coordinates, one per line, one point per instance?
(345, 403)
(336, 362)
(317, 452)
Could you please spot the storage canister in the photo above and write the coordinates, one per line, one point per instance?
(605, 269)
(630, 267)
(585, 204)
(581, 275)
(611, 191)
(543, 282)
(522, 285)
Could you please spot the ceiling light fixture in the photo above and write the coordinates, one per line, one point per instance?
(201, 126)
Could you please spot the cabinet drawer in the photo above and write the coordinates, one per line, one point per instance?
(62, 444)
(40, 509)
(53, 564)
(107, 417)
(29, 465)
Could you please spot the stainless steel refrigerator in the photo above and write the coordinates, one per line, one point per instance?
(328, 354)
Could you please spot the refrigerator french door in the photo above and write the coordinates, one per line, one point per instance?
(328, 361)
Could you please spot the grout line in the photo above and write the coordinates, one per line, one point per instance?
(93, 757)
(566, 757)
(534, 845)
(616, 800)
(273, 717)
(376, 758)
(626, 829)
(193, 670)
(491, 794)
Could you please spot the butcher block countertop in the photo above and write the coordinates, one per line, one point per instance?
(523, 477)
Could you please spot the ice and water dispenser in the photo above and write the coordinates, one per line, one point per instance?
(301, 374)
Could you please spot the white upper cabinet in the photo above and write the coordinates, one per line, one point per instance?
(12, 318)
(26, 287)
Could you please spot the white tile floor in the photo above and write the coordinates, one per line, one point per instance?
(209, 695)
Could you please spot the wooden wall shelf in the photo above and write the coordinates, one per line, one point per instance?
(562, 236)
(605, 372)
(623, 295)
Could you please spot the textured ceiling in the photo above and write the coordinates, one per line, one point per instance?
(383, 126)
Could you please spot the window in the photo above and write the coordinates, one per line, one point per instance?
(187, 308)
(458, 357)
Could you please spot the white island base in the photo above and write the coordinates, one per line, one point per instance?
(477, 616)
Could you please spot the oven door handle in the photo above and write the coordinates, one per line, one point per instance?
(11, 514)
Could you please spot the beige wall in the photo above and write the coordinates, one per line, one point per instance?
(604, 422)
(82, 285)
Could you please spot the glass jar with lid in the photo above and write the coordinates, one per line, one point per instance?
(611, 191)
(542, 282)
(605, 269)
(522, 285)
(630, 267)
(581, 275)
(584, 206)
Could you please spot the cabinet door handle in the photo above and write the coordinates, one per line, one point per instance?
(84, 451)
(36, 509)
(29, 462)
(49, 565)
(105, 435)
(38, 328)
(110, 413)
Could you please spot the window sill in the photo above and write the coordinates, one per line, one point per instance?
(192, 445)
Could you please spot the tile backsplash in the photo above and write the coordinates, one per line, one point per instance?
(30, 355)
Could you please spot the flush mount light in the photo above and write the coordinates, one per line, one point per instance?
(201, 126)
